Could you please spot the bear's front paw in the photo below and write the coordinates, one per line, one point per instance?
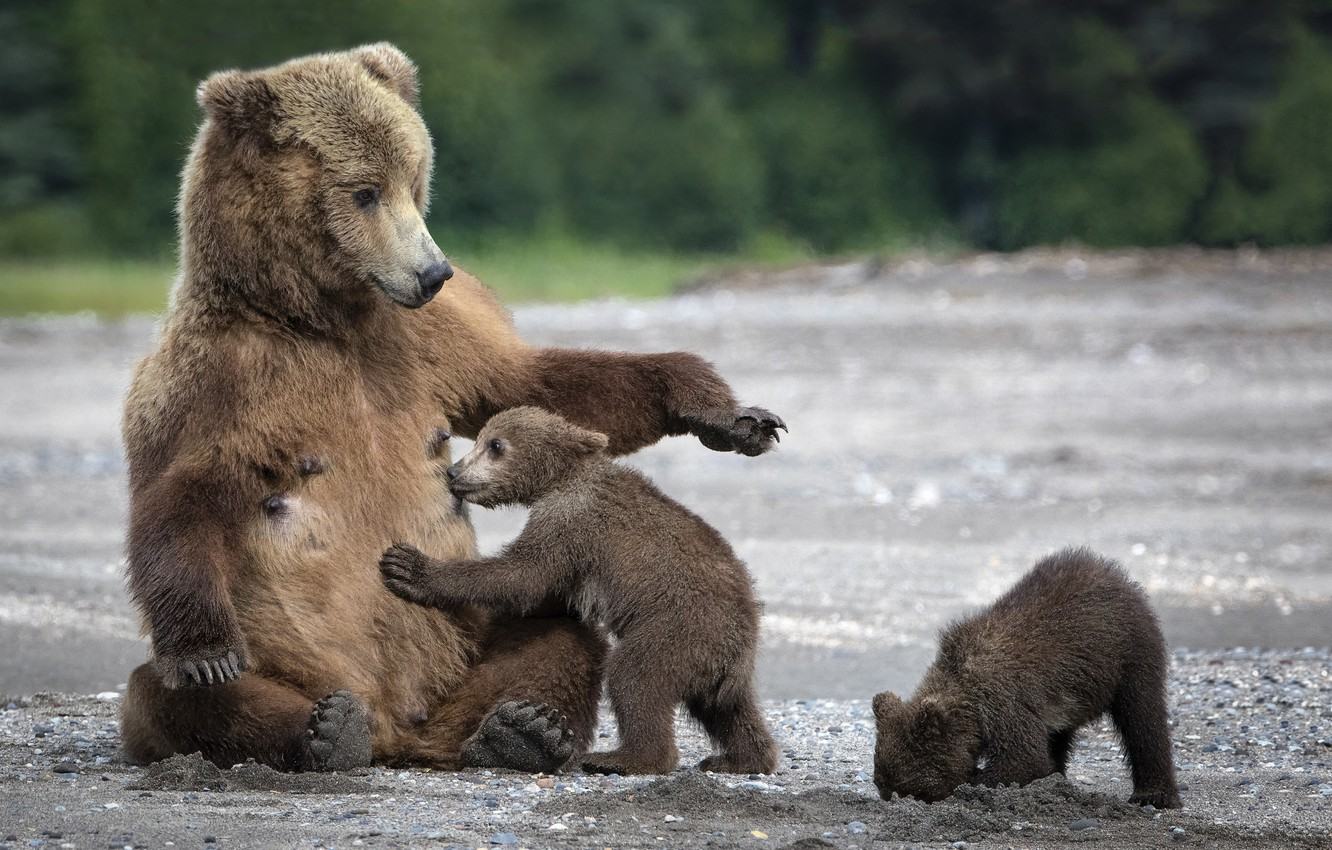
(211, 666)
(748, 431)
(404, 570)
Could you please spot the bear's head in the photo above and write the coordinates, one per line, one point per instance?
(924, 748)
(520, 455)
(307, 187)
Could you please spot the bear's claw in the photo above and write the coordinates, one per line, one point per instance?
(521, 735)
(215, 667)
(338, 737)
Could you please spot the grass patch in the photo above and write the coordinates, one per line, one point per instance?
(110, 288)
(548, 268)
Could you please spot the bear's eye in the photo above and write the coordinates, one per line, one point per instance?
(496, 447)
(366, 198)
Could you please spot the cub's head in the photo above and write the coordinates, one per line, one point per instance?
(312, 178)
(519, 455)
(924, 749)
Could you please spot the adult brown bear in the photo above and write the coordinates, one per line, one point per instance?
(293, 422)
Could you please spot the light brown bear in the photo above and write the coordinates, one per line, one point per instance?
(610, 545)
(293, 422)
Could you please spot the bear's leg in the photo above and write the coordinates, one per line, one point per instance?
(529, 703)
(1061, 744)
(250, 718)
(644, 698)
(1139, 713)
(737, 725)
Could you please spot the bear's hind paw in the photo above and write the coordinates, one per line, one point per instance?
(520, 735)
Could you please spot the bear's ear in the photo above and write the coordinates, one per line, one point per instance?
(587, 441)
(241, 100)
(391, 66)
(931, 720)
(886, 705)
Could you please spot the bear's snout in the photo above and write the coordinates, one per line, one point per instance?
(432, 279)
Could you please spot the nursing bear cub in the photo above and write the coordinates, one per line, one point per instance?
(614, 547)
(1012, 685)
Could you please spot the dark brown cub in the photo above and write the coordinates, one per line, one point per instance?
(1011, 686)
(608, 543)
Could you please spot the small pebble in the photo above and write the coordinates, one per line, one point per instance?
(1084, 823)
(504, 838)
(65, 767)
(855, 827)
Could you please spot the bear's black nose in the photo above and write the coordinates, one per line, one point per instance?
(453, 472)
(432, 279)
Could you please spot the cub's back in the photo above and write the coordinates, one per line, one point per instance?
(1074, 612)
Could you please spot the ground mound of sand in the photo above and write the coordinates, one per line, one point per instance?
(193, 773)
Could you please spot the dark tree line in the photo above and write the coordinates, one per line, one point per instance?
(694, 124)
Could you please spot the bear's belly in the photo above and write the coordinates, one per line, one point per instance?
(310, 600)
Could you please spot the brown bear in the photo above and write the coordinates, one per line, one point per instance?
(290, 425)
(1012, 685)
(613, 547)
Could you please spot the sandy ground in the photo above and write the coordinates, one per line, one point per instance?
(1253, 738)
(949, 425)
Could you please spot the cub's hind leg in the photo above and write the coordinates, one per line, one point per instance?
(1139, 713)
(735, 722)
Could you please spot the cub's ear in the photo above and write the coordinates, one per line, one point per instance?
(391, 66)
(931, 718)
(242, 100)
(886, 705)
(588, 442)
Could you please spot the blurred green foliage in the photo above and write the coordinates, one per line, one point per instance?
(691, 125)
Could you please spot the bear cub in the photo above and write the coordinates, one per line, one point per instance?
(604, 540)
(1012, 685)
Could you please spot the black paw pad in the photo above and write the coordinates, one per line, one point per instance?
(338, 737)
(521, 735)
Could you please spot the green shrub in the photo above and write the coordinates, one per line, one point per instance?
(1138, 185)
(46, 230)
(837, 176)
(690, 183)
(1283, 193)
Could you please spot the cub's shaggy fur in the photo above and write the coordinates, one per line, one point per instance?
(608, 543)
(292, 422)
(1012, 685)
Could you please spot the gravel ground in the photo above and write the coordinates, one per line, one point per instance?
(951, 423)
(1253, 735)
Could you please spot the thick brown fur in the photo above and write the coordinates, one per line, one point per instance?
(607, 543)
(293, 422)
(1075, 638)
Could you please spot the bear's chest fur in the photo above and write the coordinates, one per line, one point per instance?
(310, 592)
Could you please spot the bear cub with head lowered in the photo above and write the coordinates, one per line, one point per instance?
(1011, 686)
(606, 541)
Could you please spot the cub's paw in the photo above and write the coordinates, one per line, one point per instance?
(338, 737)
(628, 764)
(212, 666)
(748, 431)
(1167, 799)
(405, 570)
(525, 736)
